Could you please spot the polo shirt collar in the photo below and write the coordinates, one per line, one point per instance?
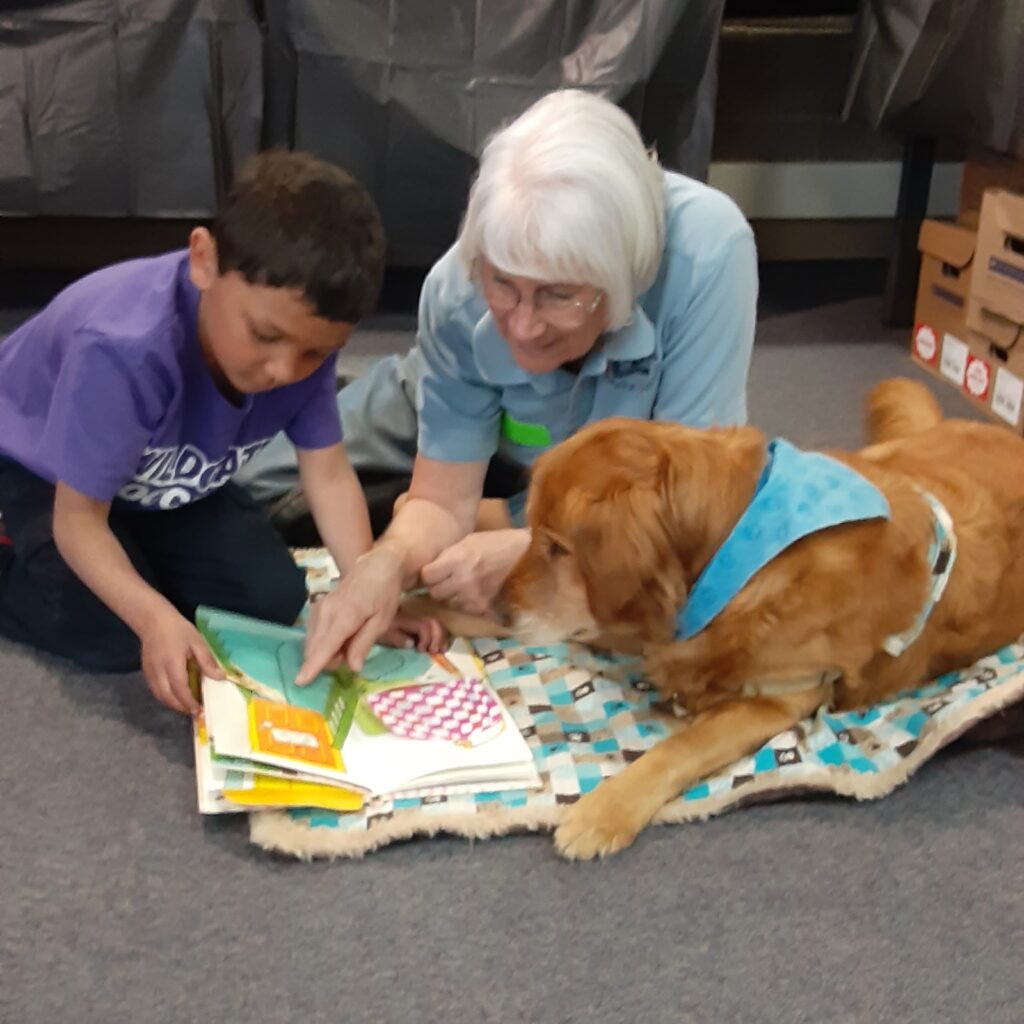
(493, 356)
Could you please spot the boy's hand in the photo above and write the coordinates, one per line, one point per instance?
(423, 633)
(347, 622)
(168, 644)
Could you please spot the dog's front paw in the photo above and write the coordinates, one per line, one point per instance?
(595, 826)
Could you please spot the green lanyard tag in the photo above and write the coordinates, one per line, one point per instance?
(529, 435)
(526, 434)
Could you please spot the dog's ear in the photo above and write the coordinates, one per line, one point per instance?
(639, 502)
(624, 556)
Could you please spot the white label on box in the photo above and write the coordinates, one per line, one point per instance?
(1006, 399)
(926, 343)
(954, 359)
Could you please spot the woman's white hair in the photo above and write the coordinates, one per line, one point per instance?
(567, 192)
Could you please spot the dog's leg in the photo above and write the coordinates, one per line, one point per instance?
(457, 623)
(610, 817)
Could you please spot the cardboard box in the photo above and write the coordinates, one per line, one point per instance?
(990, 376)
(995, 306)
(972, 365)
(998, 283)
(985, 169)
(947, 256)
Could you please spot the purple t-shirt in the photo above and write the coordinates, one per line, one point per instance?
(107, 390)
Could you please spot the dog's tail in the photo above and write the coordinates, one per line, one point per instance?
(900, 407)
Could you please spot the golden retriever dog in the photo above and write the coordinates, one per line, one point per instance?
(627, 514)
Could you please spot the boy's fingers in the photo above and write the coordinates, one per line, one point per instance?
(396, 636)
(310, 669)
(161, 689)
(437, 635)
(315, 614)
(424, 634)
(346, 624)
(207, 662)
(314, 656)
(360, 644)
(177, 679)
(323, 644)
(187, 703)
(156, 685)
(200, 663)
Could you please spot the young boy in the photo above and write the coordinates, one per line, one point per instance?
(129, 402)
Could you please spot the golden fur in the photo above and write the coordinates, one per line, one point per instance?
(626, 514)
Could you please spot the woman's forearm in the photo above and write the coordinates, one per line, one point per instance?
(439, 510)
(420, 531)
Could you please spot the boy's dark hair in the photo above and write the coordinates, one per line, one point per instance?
(293, 221)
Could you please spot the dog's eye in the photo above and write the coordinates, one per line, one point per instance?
(555, 549)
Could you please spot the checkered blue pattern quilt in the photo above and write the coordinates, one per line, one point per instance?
(586, 716)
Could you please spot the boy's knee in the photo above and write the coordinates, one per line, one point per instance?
(279, 594)
(98, 642)
(116, 653)
(46, 606)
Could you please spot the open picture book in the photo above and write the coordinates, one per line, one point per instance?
(409, 723)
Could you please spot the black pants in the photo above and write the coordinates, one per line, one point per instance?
(219, 551)
(291, 516)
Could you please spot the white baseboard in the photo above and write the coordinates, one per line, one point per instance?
(799, 191)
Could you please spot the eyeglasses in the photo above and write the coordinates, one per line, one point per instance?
(555, 304)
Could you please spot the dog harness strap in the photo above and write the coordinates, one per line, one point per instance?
(942, 556)
(799, 493)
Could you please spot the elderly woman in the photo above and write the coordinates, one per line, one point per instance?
(586, 282)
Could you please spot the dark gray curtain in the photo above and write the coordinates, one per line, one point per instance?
(126, 107)
(404, 92)
(947, 68)
(145, 107)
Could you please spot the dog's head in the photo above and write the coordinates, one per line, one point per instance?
(624, 515)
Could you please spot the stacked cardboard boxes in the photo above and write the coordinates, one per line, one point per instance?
(969, 319)
(985, 170)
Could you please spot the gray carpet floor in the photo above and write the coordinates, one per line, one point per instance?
(119, 903)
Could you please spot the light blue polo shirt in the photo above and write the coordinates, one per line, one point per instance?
(684, 357)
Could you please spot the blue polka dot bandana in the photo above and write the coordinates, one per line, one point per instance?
(799, 493)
